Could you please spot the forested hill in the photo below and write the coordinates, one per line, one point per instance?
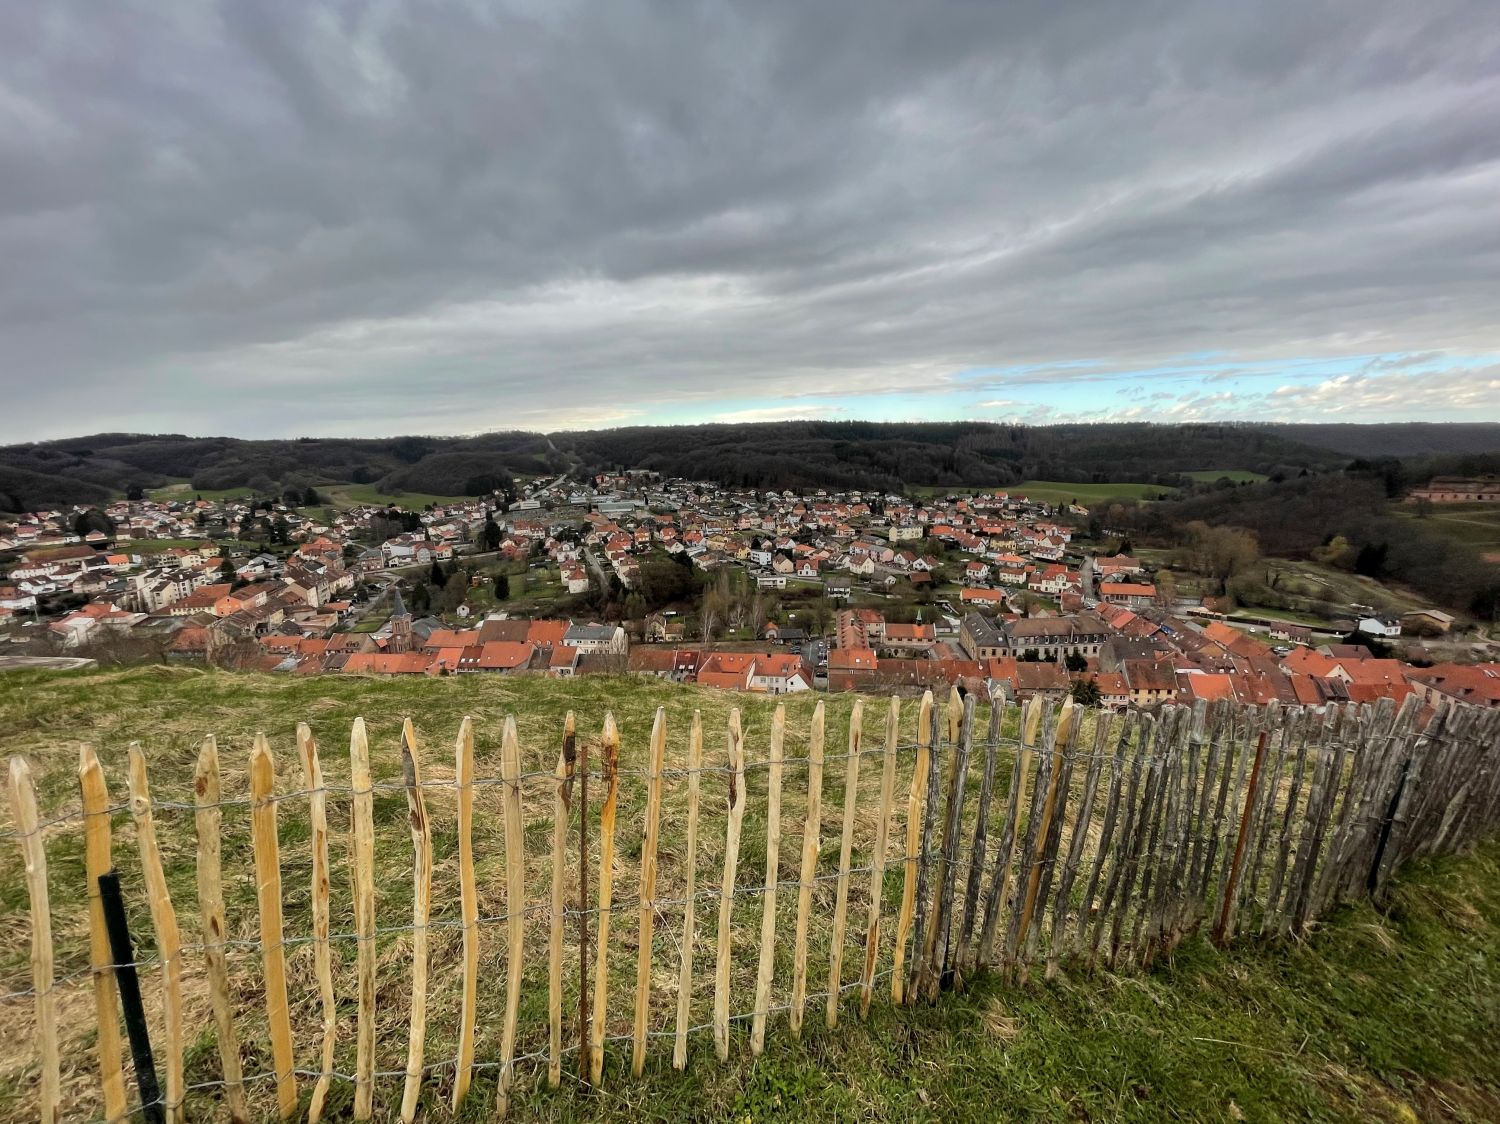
(979, 454)
(92, 469)
(1397, 439)
(842, 455)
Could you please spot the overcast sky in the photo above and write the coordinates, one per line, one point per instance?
(263, 219)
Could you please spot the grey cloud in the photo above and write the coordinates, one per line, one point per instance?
(452, 216)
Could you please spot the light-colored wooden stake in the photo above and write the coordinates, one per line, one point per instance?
(164, 921)
(362, 827)
(647, 907)
(811, 844)
(846, 851)
(768, 898)
(877, 858)
(515, 900)
(97, 860)
(690, 863)
(34, 856)
(421, 915)
(208, 819)
(562, 804)
(736, 810)
(264, 842)
(317, 810)
(611, 754)
(913, 838)
(468, 905)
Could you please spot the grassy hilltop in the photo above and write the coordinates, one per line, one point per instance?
(1385, 1016)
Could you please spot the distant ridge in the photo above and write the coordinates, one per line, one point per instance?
(1397, 439)
(834, 454)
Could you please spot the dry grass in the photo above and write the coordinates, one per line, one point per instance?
(169, 710)
(988, 1047)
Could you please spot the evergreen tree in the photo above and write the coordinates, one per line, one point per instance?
(502, 587)
(489, 536)
(436, 574)
(1085, 692)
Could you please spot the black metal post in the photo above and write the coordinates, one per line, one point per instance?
(130, 996)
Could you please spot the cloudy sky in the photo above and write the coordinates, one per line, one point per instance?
(261, 218)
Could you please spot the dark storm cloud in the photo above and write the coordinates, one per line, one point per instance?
(376, 217)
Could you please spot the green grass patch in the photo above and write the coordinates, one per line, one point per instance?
(355, 495)
(1475, 524)
(1378, 1015)
(1057, 491)
(182, 491)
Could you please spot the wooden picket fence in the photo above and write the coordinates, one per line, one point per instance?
(1056, 837)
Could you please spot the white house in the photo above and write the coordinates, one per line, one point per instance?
(779, 675)
(1382, 627)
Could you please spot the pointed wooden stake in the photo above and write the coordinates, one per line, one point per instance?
(768, 898)
(877, 858)
(811, 844)
(34, 856)
(97, 860)
(164, 921)
(562, 803)
(362, 850)
(736, 807)
(312, 777)
(647, 908)
(421, 913)
(515, 902)
(690, 863)
(914, 806)
(208, 820)
(611, 753)
(468, 904)
(264, 842)
(846, 850)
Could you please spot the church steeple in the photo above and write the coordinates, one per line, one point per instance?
(400, 640)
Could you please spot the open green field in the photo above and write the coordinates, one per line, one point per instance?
(182, 491)
(355, 495)
(339, 495)
(1377, 1016)
(1057, 491)
(1475, 524)
(1236, 475)
(532, 593)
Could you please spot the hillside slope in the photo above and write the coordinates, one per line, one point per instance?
(1379, 1016)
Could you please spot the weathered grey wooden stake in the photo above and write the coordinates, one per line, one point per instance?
(968, 952)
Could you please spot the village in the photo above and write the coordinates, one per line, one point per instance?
(774, 592)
